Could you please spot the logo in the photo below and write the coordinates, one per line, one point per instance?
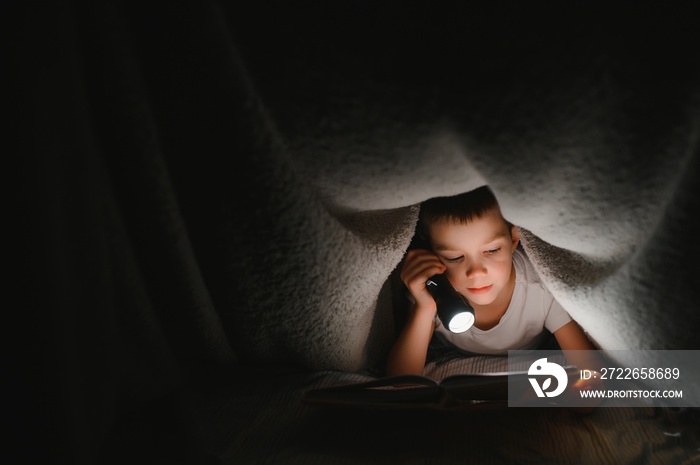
(542, 367)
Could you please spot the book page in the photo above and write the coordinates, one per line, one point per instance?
(441, 369)
(388, 392)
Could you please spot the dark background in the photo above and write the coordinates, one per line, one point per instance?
(134, 145)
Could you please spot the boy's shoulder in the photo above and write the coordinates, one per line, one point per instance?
(524, 270)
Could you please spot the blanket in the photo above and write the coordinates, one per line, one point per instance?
(584, 128)
(206, 185)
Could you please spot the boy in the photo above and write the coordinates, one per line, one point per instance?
(478, 251)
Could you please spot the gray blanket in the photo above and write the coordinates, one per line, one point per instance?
(585, 127)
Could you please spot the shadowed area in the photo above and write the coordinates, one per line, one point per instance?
(208, 201)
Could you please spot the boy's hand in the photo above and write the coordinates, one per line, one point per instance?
(588, 404)
(418, 267)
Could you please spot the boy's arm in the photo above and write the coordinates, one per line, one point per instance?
(571, 337)
(580, 351)
(582, 354)
(408, 354)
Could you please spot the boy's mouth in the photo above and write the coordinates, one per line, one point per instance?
(479, 290)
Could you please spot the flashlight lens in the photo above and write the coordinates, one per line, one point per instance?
(461, 322)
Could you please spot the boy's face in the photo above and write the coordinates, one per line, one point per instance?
(478, 255)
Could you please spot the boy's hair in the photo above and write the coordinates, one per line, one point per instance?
(461, 208)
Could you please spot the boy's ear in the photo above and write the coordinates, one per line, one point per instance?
(514, 238)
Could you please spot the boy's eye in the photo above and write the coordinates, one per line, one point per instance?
(493, 251)
(453, 260)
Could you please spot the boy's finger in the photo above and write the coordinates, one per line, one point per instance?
(423, 273)
(420, 257)
(419, 264)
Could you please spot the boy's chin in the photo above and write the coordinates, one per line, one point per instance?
(482, 299)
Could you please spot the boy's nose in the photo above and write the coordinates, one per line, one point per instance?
(475, 268)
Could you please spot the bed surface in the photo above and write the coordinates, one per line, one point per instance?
(272, 425)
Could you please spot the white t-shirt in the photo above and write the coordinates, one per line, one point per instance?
(532, 309)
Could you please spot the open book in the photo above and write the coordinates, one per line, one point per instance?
(459, 391)
(413, 391)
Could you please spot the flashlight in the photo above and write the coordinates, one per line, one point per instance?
(454, 311)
